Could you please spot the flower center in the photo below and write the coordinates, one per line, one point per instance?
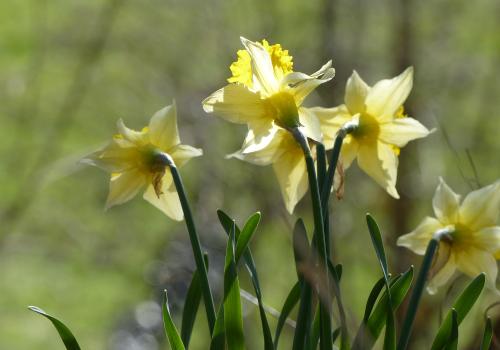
(242, 69)
(283, 109)
(368, 128)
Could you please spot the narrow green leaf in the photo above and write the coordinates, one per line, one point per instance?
(335, 334)
(301, 248)
(291, 300)
(173, 336)
(218, 335)
(233, 319)
(487, 335)
(303, 325)
(452, 342)
(462, 305)
(191, 305)
(372, 298)
(377, 244)
(390, 329)
(246, 234)
(65, 334)
(314, 337)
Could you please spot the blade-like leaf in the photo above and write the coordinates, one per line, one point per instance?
(191, 305)
(67, 337)
(233, 319)
(487, 335)
(452, 342)
(301, 248)
(303, 325)
(462, 305)
(173, 336)
(335, 334)
(291, 300)
(219, 335)
(246, 234)
(372, 298)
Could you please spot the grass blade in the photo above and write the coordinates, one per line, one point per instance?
(173, 336)
(487, 335)
(65, 334)
(291, 300)
(462, 306)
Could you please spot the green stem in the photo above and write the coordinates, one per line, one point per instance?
(195, 244)
(325, 329)
(417, 293)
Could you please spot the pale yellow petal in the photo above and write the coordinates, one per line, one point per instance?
(236, 104)
(311, 127)
(442, 276)
(290, 169)
(138, 138)
(481, 208)
(446, 203)
(473, 261)
(262, 67)
(387, 96)
(380, 162)
(418, 239)
(301, 84)
(349, 151)
(356, 92)
(123, 187)
(331, 120)
(163, 132)
(181, 154)
(258, 154)
(401, 131)
(114, 158)
(168, 202)
(488, 239)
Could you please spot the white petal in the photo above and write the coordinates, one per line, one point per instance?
(488, 239)
(236, 104)
(331, 120)
(446, 203)
(181, 154)
(481, 208)
(163, 132)
(418, 239)
(473, 261)
(443, 275)
(356, 91)
(379, 161)
(138, 138)
(123, 187)
(291, 172)
(311, 127)
(302, 85)
(387, 96)
(402, 130)
(168, 202)
(262, 67)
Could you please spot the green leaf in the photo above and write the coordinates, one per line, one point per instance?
(303, 325)
(291, 300)
(301, 248)
(335, 334)
(191, 305)
(462, 305)
(487, 336)
(372, 298)
(173, 336)
(246, 234)
(233, 319)
(67, 337)
(452, 342)
(218, 335)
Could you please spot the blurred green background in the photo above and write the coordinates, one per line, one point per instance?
(70, 69)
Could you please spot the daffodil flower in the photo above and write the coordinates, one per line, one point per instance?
(382, 128)
(138, 160)
(267, 95)
(472, 242)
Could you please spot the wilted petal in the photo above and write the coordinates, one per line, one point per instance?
(291, 172)
(473, 261)
(262, 67)
(356, 92)
(388, 95)
(301, 84)
(311, 127)
(418, 239)
(402, 130)
(181, 154)
(446, 203)
(379, 161)
(331, 120)
(488, 239)
(442, 276)
(163, 131)
(481, 208)
(168, 202)
(124, 187)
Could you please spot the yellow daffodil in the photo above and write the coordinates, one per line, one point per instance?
(382, 128)
(472, 240)
(137, 160)
(265, 94)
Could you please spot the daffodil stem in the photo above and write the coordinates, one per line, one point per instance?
(195, 244)
(325, 329)
(417, 293)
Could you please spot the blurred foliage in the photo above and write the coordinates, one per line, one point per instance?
(70, 69)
